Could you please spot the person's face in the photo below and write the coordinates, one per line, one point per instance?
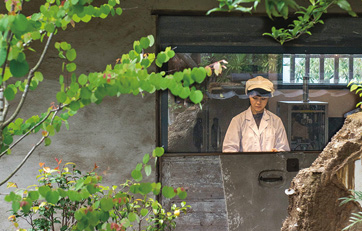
(258, 103)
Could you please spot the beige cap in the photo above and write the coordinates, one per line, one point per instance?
(259, 82)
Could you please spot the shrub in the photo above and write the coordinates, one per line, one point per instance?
(67, 199)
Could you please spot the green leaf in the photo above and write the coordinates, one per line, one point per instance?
(71, 67)
(148, 170)
(9, 93)
(8, 139)
(145, 62)
(168, 192)
(65, 46)
(92, 188)
(74, 106)
(185, 92)
(125, 222)
(182, 195)
(35, 35)
(26, 205)
(79, 184)
(85, 93)
(61, 97)
(152, 40)
(50, 129)
(161, 58)
(132, 217)
(146, 158)
(343, 4)
(104, 216)
(170, 54)
(145, 42)
(78, 215)
(144, 212)
(38, 76)
(119, 11)
(86, 18)
(52, 197)
(84, 193)
(71, 55)
(10, 197)
(196, 96)
(47, 141)
(61, 79)
(136, 175)
(353, 87)
(83, 79)
(33, 195)
(145, 188)
(198, 74)
(106, 204)
(2, 56)
(134, 189)
(20, 23)
(43, 190)
(158, 151)
(139, 167)
(62, 192)
(74, 196)
(214, 10)
(15, 206)
(137, 47)
(19, 69)
(33, 85)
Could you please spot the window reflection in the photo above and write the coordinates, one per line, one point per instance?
(309, 125)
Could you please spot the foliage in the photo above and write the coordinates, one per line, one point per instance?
(67, 199)
(356, 217)
(305, 17)
(238, 63)
(357, 87)
(130, 75)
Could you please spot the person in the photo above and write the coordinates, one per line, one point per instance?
(256, 129)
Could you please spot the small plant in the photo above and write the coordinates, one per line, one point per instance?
(67, 199)
(357, 87)
(355, 217)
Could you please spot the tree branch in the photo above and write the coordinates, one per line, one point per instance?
(29, 154)
(31, 129)
(30, 76)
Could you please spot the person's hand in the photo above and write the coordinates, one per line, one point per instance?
(274, 150)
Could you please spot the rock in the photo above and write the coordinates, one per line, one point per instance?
(315, 205)
(180, 133)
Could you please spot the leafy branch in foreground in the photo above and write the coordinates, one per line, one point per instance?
(306, 17)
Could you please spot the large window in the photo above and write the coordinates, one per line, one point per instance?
(329, 60)
(201, 128)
